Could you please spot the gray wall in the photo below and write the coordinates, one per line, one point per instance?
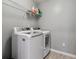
(11, 18)
(59, 16)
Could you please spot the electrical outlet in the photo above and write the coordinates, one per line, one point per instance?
(63, 44)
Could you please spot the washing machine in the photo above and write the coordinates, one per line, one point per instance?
(27, 44)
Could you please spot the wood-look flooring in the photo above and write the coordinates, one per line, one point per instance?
(53, 55)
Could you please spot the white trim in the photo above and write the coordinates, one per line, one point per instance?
(64, 53)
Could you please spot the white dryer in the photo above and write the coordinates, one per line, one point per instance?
(47, 40)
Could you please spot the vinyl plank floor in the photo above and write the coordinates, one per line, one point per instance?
(53, 55)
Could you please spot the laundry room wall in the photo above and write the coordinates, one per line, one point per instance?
(59, 16)
(12, 18)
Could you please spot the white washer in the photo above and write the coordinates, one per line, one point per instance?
(27, 45)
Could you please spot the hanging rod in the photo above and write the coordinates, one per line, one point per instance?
(13, 6)
(16, 3)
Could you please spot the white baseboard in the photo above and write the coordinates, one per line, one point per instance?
(64, 53)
